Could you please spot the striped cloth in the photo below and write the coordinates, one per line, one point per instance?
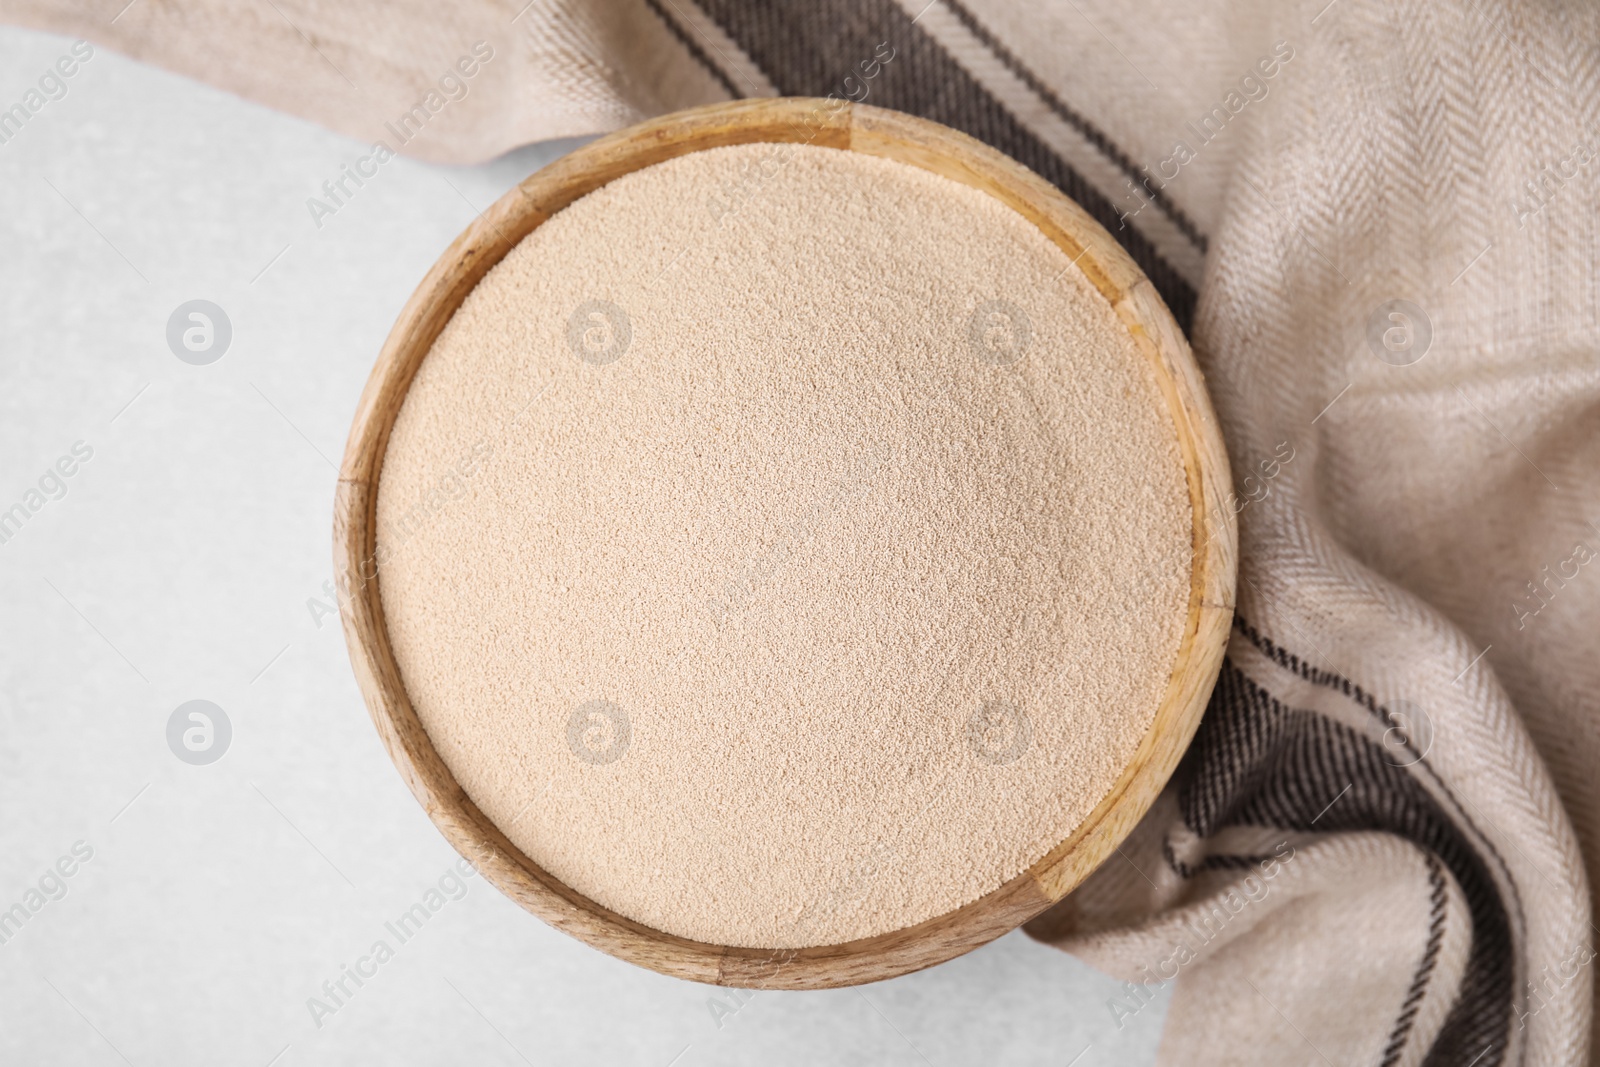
(1377, 222)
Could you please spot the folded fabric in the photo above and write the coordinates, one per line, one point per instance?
(1377, 222)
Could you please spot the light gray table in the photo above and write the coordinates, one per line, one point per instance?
(178, 565)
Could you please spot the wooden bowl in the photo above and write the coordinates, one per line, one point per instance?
(856, 128)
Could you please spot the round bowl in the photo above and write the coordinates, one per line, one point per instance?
(855, 128)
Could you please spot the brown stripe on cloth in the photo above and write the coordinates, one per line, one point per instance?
(691, 46)
(1073, 118)
(1430, 958)
(1256, 762)
(810, 49)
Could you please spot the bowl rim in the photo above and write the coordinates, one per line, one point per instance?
(852, 127)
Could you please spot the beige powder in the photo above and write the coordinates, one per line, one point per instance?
(784, 546)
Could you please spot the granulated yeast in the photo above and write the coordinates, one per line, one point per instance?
(784, 546)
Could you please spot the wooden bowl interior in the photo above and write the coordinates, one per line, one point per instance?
(855, 128)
